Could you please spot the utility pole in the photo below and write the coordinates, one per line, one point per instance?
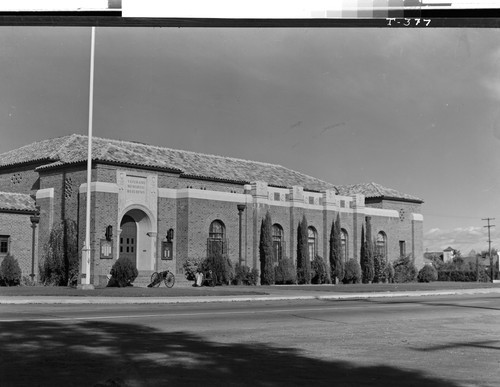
(489, 246)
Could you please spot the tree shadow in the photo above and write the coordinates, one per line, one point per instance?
(432, 303)
(483, 344)
(88, 353)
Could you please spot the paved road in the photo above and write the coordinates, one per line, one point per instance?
(438, 341)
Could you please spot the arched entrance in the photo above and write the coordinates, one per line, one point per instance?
(128, 239)
(137, 239)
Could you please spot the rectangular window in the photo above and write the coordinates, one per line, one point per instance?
(4, 244)
(402, 248)
(287, 197)
(311, 200)
(277, 196)
(342, 203)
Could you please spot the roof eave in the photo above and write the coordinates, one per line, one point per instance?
(392, 198)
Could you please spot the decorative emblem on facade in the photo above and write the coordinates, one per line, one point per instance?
(16, 178)
(68, 187)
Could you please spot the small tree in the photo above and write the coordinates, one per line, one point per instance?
(379, 264)
(319, 271)
(60, 264)
(336, 259)
(266, 251)
(219, 263)
(303, 262)
(10, 272)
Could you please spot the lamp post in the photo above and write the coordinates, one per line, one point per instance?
(241, 208)
(35, 219)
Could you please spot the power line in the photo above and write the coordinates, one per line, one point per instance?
(489, 226)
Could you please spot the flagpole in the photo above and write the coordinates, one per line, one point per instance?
(85, 283)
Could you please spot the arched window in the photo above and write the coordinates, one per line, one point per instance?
(312, 242)
(216, 242)
(278, 242)
(382, 244)
(344, 242)
(217, 230)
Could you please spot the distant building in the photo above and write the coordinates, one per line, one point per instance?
(164, 206)
(448, 254)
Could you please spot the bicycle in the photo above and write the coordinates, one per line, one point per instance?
(166, 276)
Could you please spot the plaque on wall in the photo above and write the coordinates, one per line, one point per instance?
(166, 251)
(106, 249)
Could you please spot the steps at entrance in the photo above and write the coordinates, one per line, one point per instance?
(144, 279)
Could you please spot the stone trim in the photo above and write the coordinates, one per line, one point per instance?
(99, 186)
(193, 193)
(45, 193)
(418, 217)
(370, 211)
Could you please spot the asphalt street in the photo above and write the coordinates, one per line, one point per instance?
(411, 341)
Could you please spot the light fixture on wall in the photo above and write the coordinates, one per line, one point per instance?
(109, 233)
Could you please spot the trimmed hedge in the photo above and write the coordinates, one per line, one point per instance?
(427, 274)
(123, 273)
(319, 274)
(243, 275)
(352, 272)
(285, 272)
(404, 270)
(463, 275)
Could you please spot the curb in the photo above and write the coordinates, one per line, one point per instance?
(210, 299)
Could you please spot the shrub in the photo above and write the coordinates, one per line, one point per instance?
(352, 272)
(123, 273)
(404, 270)
(427, 274)
(319, 273)
(285, 272)
(59, 265)
(191, 266)
(379, 265)
(10, 272)
(463, 275)
(220, 264)
(244, 275)
(389, 272)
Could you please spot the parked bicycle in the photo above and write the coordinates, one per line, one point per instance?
(166, 276)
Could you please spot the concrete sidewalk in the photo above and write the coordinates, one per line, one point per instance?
(274, 295)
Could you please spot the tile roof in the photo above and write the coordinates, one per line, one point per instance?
(374, 190)
(73, 149)
(16, 202)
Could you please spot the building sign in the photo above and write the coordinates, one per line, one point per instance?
(136, 187)
(106, 249)
(166, 251)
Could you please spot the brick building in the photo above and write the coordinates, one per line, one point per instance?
(166, 205)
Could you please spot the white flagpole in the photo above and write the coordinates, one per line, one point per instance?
(87, 249)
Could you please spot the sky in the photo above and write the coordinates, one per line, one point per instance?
(416, 110)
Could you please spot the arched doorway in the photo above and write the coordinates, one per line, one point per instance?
(137, 239)
(128, 239)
